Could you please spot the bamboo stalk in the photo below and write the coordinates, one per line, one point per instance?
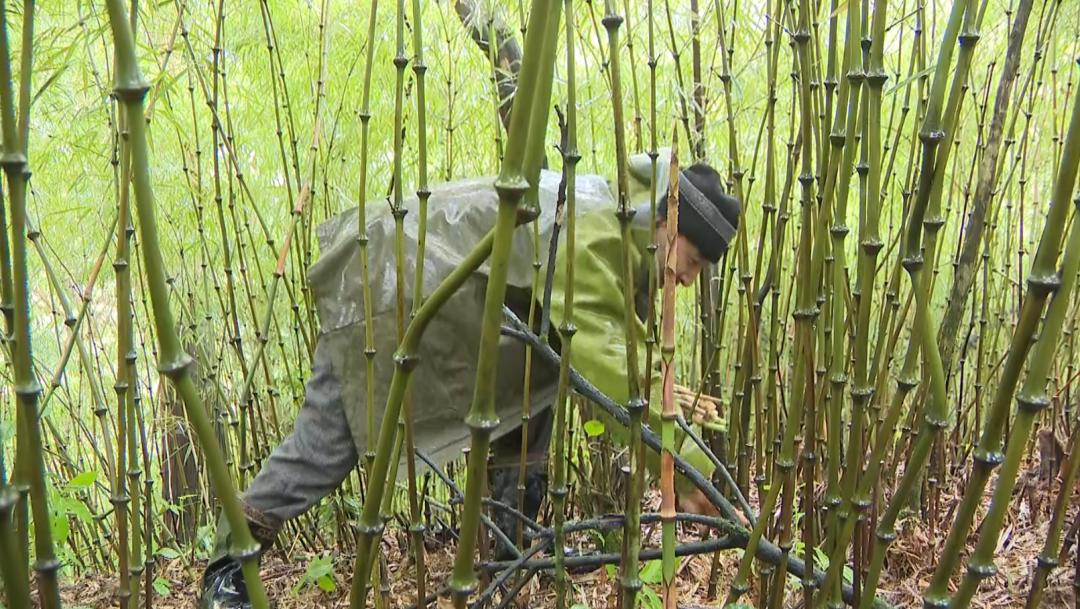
(1047, 282)
(416, 525)
(130, 90)
(1048, 558)
(558, 489)
(805, 314)
(521, 162)
(667, 354)
(362, 240)
(512, 187)
(27, 389)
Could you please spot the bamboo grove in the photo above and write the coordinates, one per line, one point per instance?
(890, 342)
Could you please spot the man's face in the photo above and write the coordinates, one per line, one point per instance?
(688, 262)
(688, 258)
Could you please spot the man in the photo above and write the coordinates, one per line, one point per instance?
(330, 433)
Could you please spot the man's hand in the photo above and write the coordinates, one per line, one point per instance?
(696, 502)
(698, 408)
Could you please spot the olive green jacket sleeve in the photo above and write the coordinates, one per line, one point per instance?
(599, 344)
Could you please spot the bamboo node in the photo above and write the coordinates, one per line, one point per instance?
(968, 39)
(807, 314)
(407, 362)
(906, 383)
(630, 584)
(369, 353)
(935, 602)
(611, 22)
(371, 530)
(801, 36)
(636, 405)
(1043, 285)
(1032, 404)
(837, 139)
(861, 395)
(175, 368)
(931, 137)
(48, 568)
(1046, 563)
(935, 423)
(482, 421)
(886, 537)
(862, 169)
(934, 224)
(981, 571)
(877, 80)
(913, 263)
(525, 214)
(855, 77)
(250, 552)
(131, 92)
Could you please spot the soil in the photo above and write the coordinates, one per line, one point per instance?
(908, 569)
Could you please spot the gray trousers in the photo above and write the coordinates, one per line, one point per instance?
(316, 457)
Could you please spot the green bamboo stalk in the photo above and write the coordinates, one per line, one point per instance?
(27, 389)
(12, 567)
(988, 454)
(1048, 558)
(558, 490)
(844, 126)
(362, 240)
(528, 122)
(628, 569)
(512, 187)
(1033, 398)
(669, 410)
(405, 361)
(874, 77)
(120, 498)
(926, 211)
(416, 524)
(934, 417)
(130, 90)
(805, 314)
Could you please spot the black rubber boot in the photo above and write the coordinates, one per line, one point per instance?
(503, 483)
(223, 584)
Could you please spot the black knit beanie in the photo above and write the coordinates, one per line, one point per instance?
(708, 216)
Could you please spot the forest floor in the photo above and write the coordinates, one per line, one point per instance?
(908, 570)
